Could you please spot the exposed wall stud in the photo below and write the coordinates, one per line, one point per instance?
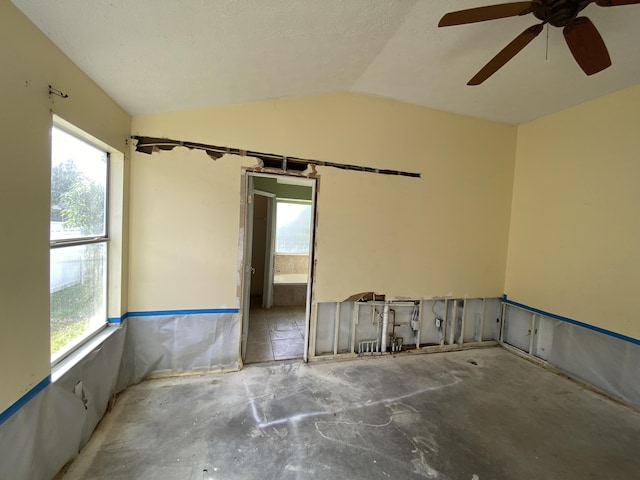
(354, 324)
(314, 329)
(336, 329)
(480, 335)
(420, 317)
(503, 319)
(451, 337)
(444, 321)
(462, 322)
(532, 333)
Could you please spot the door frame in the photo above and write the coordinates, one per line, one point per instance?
(269, 249)
(246, 239)
(246, 246)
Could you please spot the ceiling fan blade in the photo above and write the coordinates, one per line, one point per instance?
(506, 54)
(587, 45)
(481, 14)
(616, 3)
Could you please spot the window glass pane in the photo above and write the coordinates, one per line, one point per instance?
(77, 287)
(78, 188)
(293, 227)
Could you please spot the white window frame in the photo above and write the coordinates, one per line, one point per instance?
(77, 343)
(295, 201)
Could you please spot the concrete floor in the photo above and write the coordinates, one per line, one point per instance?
(471, 415)
(275, 334)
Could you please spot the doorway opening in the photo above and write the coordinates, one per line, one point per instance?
(277, 267)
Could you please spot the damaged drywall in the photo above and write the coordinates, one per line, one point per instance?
(369, 323)
(149, 145)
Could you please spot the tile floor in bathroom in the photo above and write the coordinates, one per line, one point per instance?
(276, 333)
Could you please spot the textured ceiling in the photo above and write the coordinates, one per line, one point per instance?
(155, 56)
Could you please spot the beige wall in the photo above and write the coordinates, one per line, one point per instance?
(445, 233)
(573, 238)
(29, 63)
(574, 245)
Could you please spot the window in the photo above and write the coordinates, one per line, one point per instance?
(293, 227)
(78, 241)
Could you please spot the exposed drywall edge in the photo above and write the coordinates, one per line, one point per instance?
(571, 321)
(278, 162)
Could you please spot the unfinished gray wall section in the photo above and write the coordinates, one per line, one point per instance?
(438, 317)
(168, 344)
(50, 429)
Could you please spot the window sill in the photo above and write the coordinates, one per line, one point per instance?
(94, 343)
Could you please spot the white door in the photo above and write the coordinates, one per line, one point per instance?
(267, 294)
(311, 267)
(247, 269)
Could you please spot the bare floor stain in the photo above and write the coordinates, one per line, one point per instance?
(434, 416)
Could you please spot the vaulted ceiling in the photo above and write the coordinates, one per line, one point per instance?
(155, 56)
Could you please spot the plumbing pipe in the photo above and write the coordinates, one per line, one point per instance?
(393, 326)
(385, 327)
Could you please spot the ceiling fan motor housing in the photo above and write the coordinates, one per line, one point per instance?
(558, 13)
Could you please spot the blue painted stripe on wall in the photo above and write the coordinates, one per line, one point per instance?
(118, 320)
(182, 312)
(22, 401)
(570, 320)
(157, 313)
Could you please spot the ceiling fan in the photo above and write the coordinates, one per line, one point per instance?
(582, 37)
